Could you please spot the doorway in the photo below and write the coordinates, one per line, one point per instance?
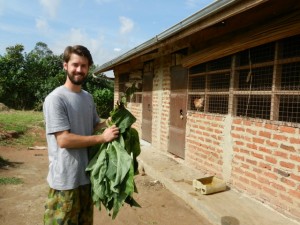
(147, 107)
(178, 107)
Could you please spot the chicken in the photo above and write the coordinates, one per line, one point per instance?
(199, 103)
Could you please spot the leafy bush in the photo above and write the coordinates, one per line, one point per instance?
(104, 101)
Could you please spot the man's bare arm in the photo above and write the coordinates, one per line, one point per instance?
(65, 139)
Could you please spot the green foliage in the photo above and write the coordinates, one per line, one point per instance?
(46, 86)
(24, 75)
(10, 180)
(21, 122)
(113, 167)
(12, 75)
(26, 79)
(102, 90)
(132, 145)
(104, 101)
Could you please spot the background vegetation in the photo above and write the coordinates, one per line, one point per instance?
(27, 124)
(27, 78)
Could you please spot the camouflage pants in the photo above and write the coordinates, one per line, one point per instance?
(71, 207)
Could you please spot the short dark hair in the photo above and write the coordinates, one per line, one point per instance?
(78, 50)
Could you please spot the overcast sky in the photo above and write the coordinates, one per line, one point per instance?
(108, 28)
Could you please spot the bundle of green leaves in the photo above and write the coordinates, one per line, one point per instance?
(114, 165)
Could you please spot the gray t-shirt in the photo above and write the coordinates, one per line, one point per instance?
(76, 112)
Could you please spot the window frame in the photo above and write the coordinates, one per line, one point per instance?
(275, 93)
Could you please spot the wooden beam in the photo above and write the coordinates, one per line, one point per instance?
(283, 27)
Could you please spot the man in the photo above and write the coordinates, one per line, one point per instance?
(71, 119)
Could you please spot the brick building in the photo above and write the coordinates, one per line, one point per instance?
(221, 90)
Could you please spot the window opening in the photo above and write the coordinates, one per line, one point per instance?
(290, 79)
(261, 82)
(254, 106)
(218, 104)
(289, 108)
(209, 86)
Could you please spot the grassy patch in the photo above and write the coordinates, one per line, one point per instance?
(22, 122)
(10, 180)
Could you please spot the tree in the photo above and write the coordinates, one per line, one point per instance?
(102, 90)
(12, 75)
(41, 50)
(26, 79)
(46, 71)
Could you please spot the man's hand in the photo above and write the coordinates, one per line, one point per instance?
(110, 133)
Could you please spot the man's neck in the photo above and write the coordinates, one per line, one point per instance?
(72, 87)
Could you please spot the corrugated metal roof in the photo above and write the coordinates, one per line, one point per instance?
(198, 16)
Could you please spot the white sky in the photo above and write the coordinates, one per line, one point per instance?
(108, 28)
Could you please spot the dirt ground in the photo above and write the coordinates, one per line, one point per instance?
(23, 204)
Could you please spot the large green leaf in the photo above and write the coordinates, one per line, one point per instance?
(122, 118)
(132, 146)
(123, 162)
(112, 168)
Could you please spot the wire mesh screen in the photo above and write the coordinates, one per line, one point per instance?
(254, 106)
(257, 79)
(218, 104)
(219, 82)
(289, 105)
(289, 109)
(197, 83)
(290, 79)
(262, 53)
(206, 83)
(263, 83)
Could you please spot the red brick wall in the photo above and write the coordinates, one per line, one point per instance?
(136, 110)
(203, 142)
(264, 157)
(266, 163)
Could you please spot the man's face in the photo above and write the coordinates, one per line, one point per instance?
(77, 69)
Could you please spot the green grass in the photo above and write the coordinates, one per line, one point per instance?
(21, 122)
(10, 180)
(24, 123)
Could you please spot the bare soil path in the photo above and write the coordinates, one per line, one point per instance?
(23, 204)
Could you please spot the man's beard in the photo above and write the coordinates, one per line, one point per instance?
(77, 82)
